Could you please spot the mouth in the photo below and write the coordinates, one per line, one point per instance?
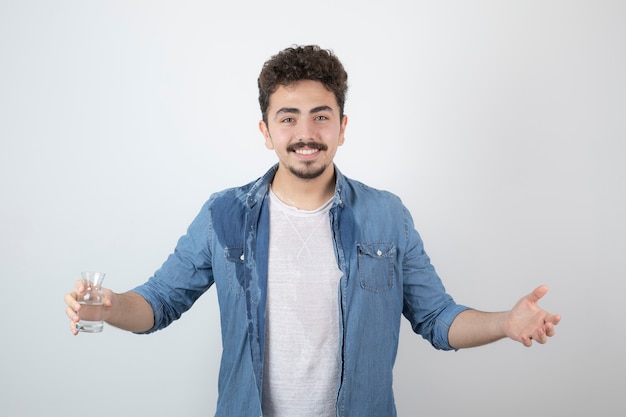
(307, 149)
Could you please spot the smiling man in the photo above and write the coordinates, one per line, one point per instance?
(313, 270)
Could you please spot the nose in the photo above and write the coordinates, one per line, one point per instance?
(306, 130)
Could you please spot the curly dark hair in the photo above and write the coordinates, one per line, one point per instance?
(296, 63)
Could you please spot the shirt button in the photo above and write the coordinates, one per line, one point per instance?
(242, 257)
(378, 252)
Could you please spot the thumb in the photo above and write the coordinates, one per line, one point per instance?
(538, 293)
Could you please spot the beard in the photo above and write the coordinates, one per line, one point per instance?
(309, 172)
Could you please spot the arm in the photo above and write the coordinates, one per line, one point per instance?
(525, 322)
(132, 312)
(128, 311)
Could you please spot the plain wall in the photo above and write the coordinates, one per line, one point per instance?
(500, 124)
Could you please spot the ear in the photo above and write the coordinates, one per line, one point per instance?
(342, 131)
(266, 134)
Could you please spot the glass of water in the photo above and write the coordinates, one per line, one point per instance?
(91, 302)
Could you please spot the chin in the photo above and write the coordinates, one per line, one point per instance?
(308, 173)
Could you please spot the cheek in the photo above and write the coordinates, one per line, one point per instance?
(335, 135)
(277, 138)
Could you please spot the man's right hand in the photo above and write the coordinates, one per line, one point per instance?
(73, 307)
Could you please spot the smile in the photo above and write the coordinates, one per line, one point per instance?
(310, 148)
(306, 151)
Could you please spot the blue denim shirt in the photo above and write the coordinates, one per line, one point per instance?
(386, 274)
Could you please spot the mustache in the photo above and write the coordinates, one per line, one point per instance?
(310, 145)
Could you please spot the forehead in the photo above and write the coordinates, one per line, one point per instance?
(302, 95)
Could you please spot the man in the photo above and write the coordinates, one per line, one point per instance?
(313, 270)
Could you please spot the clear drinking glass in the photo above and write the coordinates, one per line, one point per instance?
(91, 302)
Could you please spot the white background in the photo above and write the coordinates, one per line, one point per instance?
(501, 124)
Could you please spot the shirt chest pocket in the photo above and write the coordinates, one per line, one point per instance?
(376, 265)
(235, 268)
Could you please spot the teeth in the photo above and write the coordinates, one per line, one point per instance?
(306, 151)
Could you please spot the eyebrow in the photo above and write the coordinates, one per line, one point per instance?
(293, 110)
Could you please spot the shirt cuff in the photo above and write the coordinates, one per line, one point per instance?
(442, 326)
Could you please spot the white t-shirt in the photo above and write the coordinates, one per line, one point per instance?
(302, 331)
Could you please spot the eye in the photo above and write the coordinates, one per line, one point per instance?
(321, 117)
(288, 120)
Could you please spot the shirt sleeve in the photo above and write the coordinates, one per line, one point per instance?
(427, 305)
(184, 276)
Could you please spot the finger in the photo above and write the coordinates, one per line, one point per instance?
(526, 341)
(73, 328)
(550, 329)
(538, 293)
(553, 319)
(108, 302)
(72, 314)
(70, 300)
(540, 336)
(74, 318)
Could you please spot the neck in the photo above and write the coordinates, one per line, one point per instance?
(304, 194)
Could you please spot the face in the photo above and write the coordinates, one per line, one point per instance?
(304, 129)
